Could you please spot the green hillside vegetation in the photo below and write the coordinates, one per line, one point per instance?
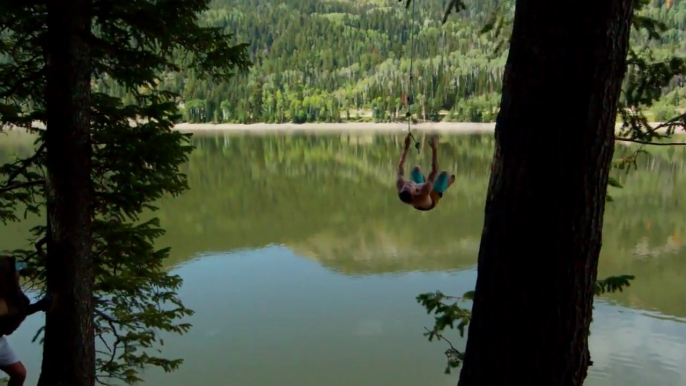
(349, 60)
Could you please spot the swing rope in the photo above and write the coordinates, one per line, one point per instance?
(410, 97)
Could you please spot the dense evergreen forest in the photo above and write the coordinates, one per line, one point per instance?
(346, 60)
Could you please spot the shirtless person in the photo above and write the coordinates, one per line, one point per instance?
(9, 322)
(420, 193)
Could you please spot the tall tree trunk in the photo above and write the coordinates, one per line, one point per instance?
(546, 198)
(69, 347)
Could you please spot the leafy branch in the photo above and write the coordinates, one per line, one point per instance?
(613, 284)
(451, 312)
(447, 314)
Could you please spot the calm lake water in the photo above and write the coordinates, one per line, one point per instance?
(303, 266)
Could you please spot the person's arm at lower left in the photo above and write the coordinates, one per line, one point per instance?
(41, 305)
(33, 308)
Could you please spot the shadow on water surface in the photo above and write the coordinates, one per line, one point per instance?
(305, 265)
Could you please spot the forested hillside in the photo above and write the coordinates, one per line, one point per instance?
(318, 60)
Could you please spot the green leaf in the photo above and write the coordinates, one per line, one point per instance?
(614, 183)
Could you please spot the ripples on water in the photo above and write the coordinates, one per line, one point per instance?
(303, 268)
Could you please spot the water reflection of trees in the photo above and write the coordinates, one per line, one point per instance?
(330, 198)
(316, 194)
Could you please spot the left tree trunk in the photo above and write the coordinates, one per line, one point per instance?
(69, 346)
(544, 209)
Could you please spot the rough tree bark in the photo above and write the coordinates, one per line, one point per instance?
(69, 347)
(546, 198)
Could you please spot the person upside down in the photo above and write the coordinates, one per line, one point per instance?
(422, 193)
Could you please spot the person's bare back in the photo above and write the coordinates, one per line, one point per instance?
(422, 193)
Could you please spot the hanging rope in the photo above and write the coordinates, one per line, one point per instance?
(410, 96)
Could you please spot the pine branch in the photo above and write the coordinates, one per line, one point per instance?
(23, 165)
(21, 185)
(113, 329)
(650, 142)
(12, 90)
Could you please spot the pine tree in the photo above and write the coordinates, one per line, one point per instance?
(69, 197)
(134, 46)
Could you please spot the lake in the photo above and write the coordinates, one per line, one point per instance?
(303, 266)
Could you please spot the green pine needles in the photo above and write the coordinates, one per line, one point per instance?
(136, 158)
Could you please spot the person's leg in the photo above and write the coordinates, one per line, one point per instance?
(10, 364)
(416, 175)
(442, 182)
(17, 373)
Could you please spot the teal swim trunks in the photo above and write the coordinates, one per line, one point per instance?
(440, 185)
(417, 177)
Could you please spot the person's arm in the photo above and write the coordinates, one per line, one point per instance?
(401, 164)
(33, 308)
(10, 322)
(41, 305)
(429, 184)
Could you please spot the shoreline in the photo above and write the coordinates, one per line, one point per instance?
(447, 127)
(326, 128)
(347, 127)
